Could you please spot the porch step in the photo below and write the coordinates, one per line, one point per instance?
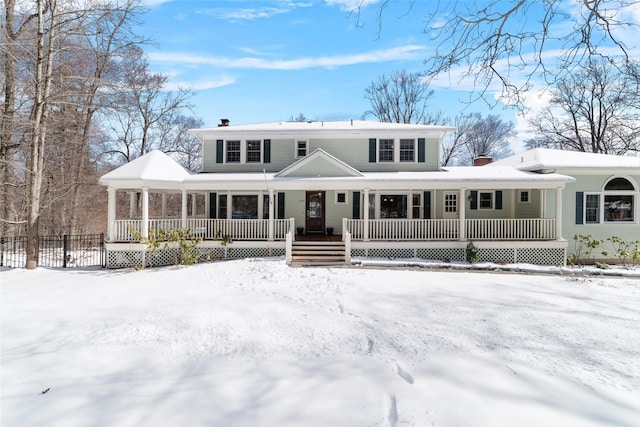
(318, 253)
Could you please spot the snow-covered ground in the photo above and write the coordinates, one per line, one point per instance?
(257, 343)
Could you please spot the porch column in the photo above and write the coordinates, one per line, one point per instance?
(163, 213)
(559, 213)
(145, 213)
(132, 204)
(272, 195)
(183, 215)
(111, 214)
(462, 209)
(365, 216)
(193, 204)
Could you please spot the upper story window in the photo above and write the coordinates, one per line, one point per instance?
(385, 150)
(254, 151)
(407, 150)
(301, 149)
(233, 151)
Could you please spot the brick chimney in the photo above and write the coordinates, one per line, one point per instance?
(482, 160)
(223, 123)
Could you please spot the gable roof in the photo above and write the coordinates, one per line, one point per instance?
(547, 159)
(154, 166)
(318, 163)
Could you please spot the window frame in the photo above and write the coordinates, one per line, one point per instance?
(604, 217)
(259, 151)
(346, 198)
(405, 150)
(528, 197)
(297, 148)
(386, 150)
(492, 200)
(228, 150)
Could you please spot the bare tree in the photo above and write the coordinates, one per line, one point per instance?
(597, 110)
(400, 98)
(487, 136)
(140, 105)
(186, 149)
(453, 147)
(496, 43)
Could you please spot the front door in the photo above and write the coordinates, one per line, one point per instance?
(315, 212)
(450, 206)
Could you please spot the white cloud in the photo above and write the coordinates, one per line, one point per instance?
(252, 13)
(351, 5)
(383, 55)
(201, 84)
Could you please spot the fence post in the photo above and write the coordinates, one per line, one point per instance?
(102, 251)
(65, 249)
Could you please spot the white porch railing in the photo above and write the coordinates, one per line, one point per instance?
(404, 229)
(208, 229)
(511, 229)
(449, 229)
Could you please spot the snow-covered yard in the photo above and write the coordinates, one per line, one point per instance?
(257, 343)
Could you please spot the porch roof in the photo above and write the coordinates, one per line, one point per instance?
(453, 177)
(158, 171)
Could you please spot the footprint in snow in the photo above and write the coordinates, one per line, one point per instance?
(401, 372)
(390, 410)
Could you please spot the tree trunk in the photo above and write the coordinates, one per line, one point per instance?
(43, 73)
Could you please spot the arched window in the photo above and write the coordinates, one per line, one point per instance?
(615, 204)
(619, 200)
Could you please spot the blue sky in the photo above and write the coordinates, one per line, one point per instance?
(261, 61)
(266, 60)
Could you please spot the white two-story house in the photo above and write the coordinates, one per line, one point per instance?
(376, 188)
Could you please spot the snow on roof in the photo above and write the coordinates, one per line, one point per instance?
(153, 166)
(324, 126)
(551, 159)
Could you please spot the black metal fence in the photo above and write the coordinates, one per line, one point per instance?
(55, 251)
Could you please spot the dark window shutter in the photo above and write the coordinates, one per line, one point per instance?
(267, 151)
(356, 204)
(219, 151)
(372, 150)
(213, 208)
(280, 205)
(421, 148)
(498, 199)
(579, 207)
(474, 200)
(427, 204)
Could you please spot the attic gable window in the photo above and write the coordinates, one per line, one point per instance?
(233, 152)
(385, 150)
(254, 151)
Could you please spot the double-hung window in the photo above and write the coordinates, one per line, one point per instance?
(485, 200)
(407, 150)
(385, 150)
(233, 151)
(301, 149)
(254, 151)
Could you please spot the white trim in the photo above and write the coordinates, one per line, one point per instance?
(493, 200)
(528, 201)
(346, 197)
(295, 148)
